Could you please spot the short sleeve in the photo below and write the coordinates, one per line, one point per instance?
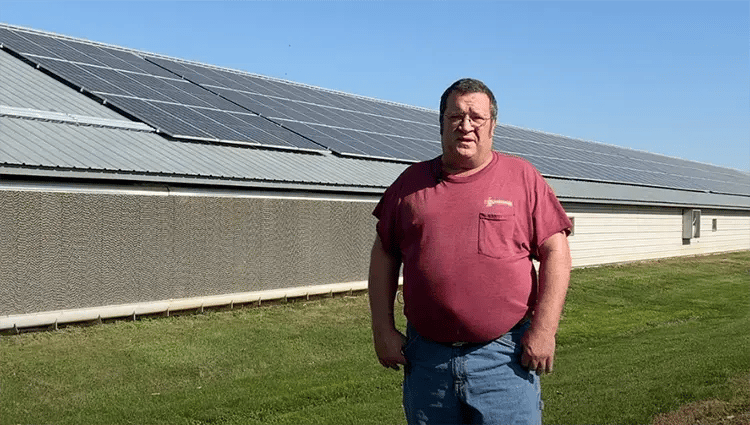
(548, 215)
(387, 214)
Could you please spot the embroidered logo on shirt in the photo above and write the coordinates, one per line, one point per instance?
(490, 202)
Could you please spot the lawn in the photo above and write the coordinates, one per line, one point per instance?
(636, 341)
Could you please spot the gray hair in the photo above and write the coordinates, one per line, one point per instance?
(465, 86)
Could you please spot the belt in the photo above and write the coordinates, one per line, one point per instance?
(469, 344)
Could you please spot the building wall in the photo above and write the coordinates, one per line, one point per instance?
(63, 250)
(76, 250)
(618, 233)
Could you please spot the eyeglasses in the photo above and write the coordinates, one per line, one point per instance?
(475, 121)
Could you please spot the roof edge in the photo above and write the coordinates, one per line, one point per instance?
(602, 192)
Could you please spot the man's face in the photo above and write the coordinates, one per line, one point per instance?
(468, 128)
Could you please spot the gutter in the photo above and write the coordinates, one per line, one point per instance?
(54, 318)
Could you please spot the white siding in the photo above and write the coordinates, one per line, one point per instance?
(613, 233)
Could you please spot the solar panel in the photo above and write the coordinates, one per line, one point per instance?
(158, 118)
(19, 44)
(251, 104)
(590, 160)
(286, 103)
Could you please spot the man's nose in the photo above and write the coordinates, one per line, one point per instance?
(466, 124)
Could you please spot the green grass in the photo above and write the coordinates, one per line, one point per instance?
(646, 338)
(294, 363)
(635, 341)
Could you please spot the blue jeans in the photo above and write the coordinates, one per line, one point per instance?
(470, 383)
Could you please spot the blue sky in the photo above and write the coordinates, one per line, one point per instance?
(670, 77)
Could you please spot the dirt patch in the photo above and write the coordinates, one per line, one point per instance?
(713, 412)
(708, 412)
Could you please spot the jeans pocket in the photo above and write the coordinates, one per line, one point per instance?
(411, 337)
(507, 341)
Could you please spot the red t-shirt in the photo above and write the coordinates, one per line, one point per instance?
(467, 244)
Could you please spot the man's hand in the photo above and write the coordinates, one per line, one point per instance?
(388, 347)
(538, 350)
(382, 286)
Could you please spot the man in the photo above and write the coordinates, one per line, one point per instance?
(466, 226)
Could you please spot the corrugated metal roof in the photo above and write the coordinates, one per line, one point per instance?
(22, 86)
(36, 114)
(65, 148)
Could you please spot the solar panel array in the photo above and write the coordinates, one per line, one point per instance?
(192, 101)
(560, 156)
(343, 123)
(149, 92)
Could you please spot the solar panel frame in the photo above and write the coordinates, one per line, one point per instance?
(373, 123)
(363, 140)
(505, 144)
(82, 78)
(427, 131)
(88, 53)
(298, 94)
(389, 110)
(425, 117)
(134, 87)
(318, 97)
(405, 129)
(237, 98)
(420, 149)
(290, 140)
(67, 50)
(264, 87)
(332, 117)
(285, 91)
(304, 128)
(150, 113)
(142, 64)
(383, 147)
(376, 109)
(201, 121)
(106, 59)
(291, 111)
(413, 115)
(335, 100)
(335, 141)
(39, 43)
(234, 81)
(179, 69)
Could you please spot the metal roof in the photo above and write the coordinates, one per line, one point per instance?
(40, 147)
(50, 129)
(25, 87)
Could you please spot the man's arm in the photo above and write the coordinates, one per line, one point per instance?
(554, 275)
(382, 287)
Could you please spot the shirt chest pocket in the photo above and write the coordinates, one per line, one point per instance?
(497, 234)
